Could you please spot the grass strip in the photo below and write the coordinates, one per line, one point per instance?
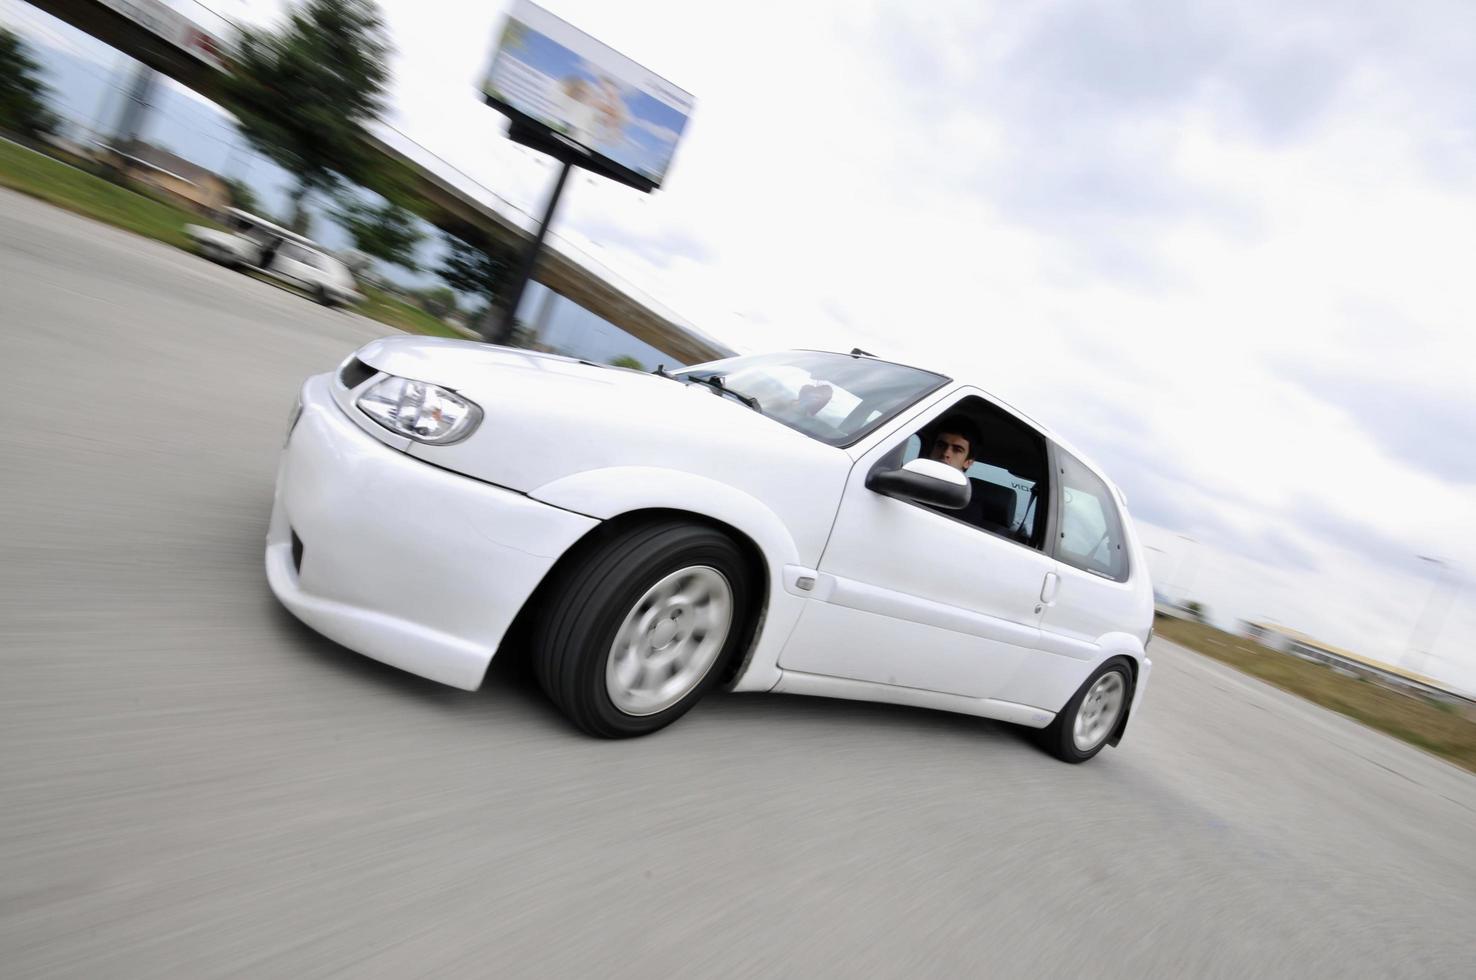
(1440, 728)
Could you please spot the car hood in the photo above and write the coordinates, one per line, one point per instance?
(546, 417)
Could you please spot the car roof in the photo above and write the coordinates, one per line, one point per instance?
(276, 229)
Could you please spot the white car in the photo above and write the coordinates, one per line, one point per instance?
(762, 523)
(286, 256)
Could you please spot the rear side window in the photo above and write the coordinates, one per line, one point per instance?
(1091, 528)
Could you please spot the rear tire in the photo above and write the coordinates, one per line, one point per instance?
(637, 630)
(1087, 723)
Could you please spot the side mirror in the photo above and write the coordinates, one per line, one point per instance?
(924, 481)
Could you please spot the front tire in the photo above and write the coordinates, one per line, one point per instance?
(639, 629)
(1085, 726)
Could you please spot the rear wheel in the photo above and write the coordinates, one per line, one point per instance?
(637, 631)
(1084, 726)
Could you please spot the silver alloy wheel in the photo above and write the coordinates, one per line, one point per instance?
(669, 640)
(1099, 711)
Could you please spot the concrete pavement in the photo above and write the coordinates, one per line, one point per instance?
(194, 785)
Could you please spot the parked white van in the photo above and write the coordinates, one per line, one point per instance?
(254, 243)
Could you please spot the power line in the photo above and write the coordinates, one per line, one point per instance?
(413, 141)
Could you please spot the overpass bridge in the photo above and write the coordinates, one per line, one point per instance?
(170, 43)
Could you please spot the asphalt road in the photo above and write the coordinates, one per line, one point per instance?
(194, 785)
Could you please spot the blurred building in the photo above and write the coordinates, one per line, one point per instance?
(1286, 640)
(187, 183)
(1178, 608)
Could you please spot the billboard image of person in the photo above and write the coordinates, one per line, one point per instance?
(561, 78)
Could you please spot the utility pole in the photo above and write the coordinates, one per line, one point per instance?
(131, 120)
(1162, 586)
(136, 109)
(1416, 657)
(1186, 577)
(104, 109)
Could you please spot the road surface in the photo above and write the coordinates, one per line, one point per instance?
(194, 785)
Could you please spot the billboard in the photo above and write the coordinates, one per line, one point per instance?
(555, 76)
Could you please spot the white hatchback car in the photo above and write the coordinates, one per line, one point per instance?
(763, 523)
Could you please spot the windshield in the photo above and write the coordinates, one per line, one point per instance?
(836, 398)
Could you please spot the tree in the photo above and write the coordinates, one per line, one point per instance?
(476, 270)
(385, 231)
(439, 301)
(23, 95)
(302, 94)
(243, 197)
(626, 361)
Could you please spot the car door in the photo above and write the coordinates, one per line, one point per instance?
(295, 264)
(909, 596)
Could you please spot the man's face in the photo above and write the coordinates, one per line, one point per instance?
(953, 449)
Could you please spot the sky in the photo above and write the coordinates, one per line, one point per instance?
(1220, 248)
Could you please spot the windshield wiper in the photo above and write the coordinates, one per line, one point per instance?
(715, 382)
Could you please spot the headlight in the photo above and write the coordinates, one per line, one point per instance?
(423, 412)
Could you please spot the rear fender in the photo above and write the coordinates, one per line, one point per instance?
(1129, 646)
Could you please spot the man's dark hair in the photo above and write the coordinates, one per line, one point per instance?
(960, 425)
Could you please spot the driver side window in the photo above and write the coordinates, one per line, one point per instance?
(1008, 474)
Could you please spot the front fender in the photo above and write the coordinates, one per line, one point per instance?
(612, 491)
(615, 490)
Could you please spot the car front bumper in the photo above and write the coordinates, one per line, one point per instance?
(413, 565)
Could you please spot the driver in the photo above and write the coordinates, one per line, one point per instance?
(953, 444)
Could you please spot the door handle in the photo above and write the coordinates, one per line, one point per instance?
(1048, 589)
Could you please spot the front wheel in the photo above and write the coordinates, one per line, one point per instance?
(639, 630)
(1083, 728)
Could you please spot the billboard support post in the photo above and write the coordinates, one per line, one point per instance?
(569, 96)
(528, 261)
